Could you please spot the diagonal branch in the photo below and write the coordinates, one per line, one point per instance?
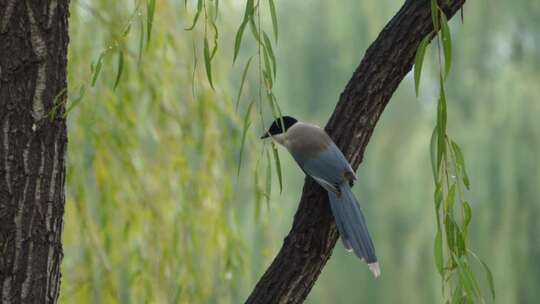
(309, 244)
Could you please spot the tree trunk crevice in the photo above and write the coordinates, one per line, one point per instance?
(33, 60)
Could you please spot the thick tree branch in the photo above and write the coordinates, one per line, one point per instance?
(309, 244)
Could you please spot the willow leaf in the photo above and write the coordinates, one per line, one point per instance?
(76, 101)
(242, 82)
(97, 68)
(270, 52)
(438, 252)
(460, 160)
(268, 189)
(447, 44)
(489, 275)
(278, 167)
(435, 14)
(238, 40)
(216, 39)
(419, 61)
(248, 14)
(197, 15)
(150, 10)
(245, 128)
(433, 154)
(273, 14)
(120, 69)
(208, 63)
(141, 40)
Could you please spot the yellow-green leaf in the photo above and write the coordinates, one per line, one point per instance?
(438, 252)
(197, 14)
(150, 10)
(270, 52)
(447, 44)
(97, 68)
(207, 62)
(278, 167)
(435, 14)
(242, 81)
(419, 60)
(76, 101)
(245, 128)
(120, 69)
(274, 18)
(433, 154)
(268, 189)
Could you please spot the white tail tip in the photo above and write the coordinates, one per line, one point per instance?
(375, 269)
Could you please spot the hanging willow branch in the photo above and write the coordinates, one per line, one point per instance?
(309, 244)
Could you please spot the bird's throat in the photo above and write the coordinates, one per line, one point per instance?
(280, 139)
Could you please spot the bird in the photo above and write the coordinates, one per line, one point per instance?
(320, 158)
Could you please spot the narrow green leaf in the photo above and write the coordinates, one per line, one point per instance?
(97, 68)
(248, 13)
(471, 277)
(268, 189)
(435, 14)
(460, 241)
(238, 40)
(245, 128)
(460, 160)
(216, 10)
(270, 52)
(273, 107)
(195, 61)
(120, 69)
(257, 193)
(489, 275)
(141, 40)
(449, 227)
(150, 10)
(441, 124)
(450, 199)
(267, 71)
(433, 155)
(465, 279)
(216, 39)
(197, 14)
(447, 44)
(419, 60)
(457, 296)
(438, 252)
(208, 63)
(126, 30)
(76, 101)
(273, 14)
(243, 80)
(438, 198)
(467, 215)
(278, 167)
(255, 31)
(56, 104)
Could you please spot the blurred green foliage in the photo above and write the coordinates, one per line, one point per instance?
(155, 212)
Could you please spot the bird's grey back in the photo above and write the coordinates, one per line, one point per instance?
(306, 140)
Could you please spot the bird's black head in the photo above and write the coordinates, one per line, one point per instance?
(278, 127)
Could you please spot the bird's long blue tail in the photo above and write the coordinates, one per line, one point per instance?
(352, 226)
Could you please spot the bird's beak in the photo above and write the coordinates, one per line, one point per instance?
(265, 135)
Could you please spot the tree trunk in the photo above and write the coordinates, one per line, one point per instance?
(311, 240)
(33, 57)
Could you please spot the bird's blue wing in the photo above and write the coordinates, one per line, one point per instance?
(329, 166)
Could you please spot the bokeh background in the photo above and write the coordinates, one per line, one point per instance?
(156, 212)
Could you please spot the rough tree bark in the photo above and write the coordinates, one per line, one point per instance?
(33, 56)
(311, 240)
